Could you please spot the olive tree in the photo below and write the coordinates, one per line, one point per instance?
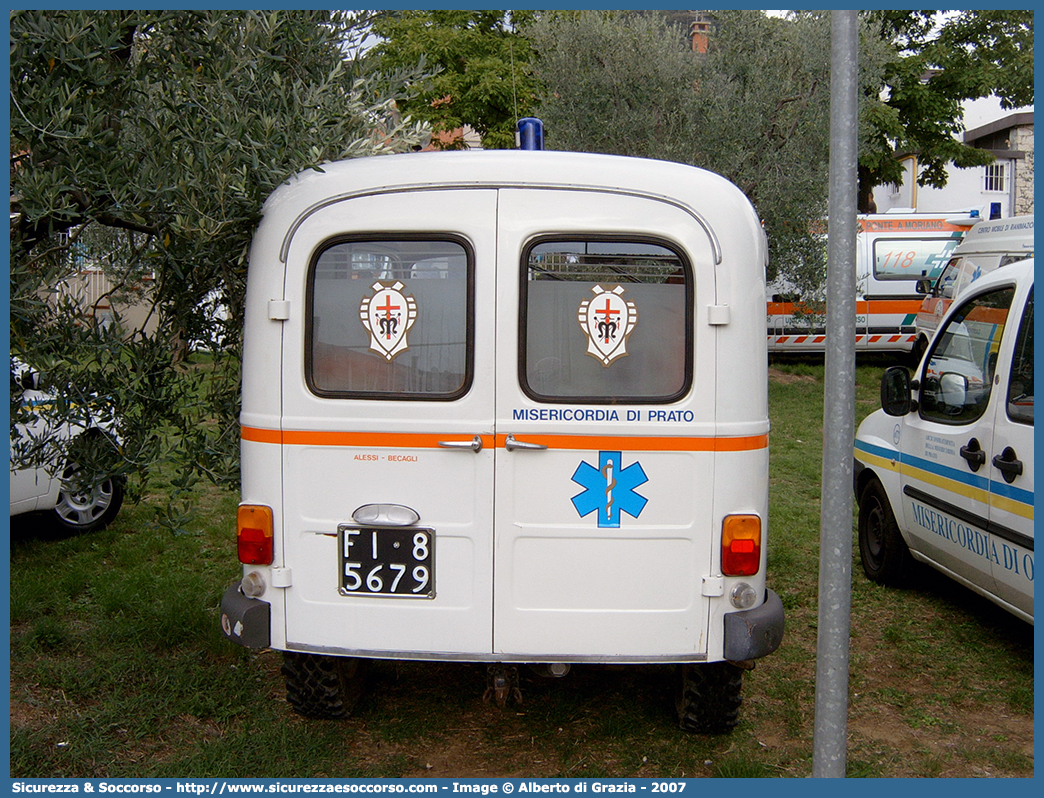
(754, 108)
(144, 143)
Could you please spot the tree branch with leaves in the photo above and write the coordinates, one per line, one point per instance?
(170, 128)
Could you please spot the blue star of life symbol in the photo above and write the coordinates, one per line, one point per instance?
(609, 489)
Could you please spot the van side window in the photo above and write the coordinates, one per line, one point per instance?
(959, 370)
(390, 319)
(605, 320)
(911, 258)
(1020, 386)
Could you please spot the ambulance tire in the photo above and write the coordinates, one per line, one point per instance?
(323, 687)
(709, 697)
(882, 550)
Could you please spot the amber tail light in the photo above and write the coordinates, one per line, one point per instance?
(741, 545)
(254, 534)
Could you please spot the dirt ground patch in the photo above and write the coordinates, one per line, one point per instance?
(788, 378)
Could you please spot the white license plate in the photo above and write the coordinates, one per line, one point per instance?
(387, 561)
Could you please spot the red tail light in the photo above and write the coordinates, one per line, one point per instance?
(254, 534)
(741, 545)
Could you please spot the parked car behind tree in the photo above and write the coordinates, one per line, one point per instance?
(55, 467)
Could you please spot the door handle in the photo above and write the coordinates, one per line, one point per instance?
(511, 444)
(1009, 464)
(475, 444)
(974, 454)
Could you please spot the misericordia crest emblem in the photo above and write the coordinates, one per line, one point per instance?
(388, 315)
(607, 320)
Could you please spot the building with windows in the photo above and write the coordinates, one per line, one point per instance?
(1001, 189)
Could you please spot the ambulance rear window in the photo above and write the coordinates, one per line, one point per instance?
(390, 318)
(605, 320)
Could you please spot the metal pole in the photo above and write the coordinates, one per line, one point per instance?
(835, 554)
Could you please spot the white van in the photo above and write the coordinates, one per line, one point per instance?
(894, 251)
(506, 407)
(987, 246)
(944, 472)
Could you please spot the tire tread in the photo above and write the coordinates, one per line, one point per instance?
(710, 697)
(320, 686)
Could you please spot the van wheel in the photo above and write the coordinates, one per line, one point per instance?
(87, 508)
(321, 686)
(709, 697)
(884, 553)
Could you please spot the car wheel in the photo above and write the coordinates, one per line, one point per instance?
(885, 555)
(87, 508)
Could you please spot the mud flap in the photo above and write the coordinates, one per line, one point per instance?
(245, 621)
(754, 633)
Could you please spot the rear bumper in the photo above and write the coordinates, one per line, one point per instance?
(245, 621)
(754, 633)
(750, 634)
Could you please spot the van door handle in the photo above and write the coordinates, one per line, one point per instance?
(974, 454)
(511, 444)
(1009, 464)
(475, 444)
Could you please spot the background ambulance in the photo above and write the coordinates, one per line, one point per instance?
(506, 407)
(893, 252)
(944, 472)
(987, 246)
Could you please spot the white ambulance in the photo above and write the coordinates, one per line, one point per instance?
(944, 472)
(506, 407)
(987, 246)
(894, 251)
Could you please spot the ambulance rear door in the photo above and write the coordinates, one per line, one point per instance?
(387, 425)
(605, 418)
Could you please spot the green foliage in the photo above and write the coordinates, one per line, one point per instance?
(938, 60)
(144, 143)
(483, 77)
(610, 83)
(753, 109)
